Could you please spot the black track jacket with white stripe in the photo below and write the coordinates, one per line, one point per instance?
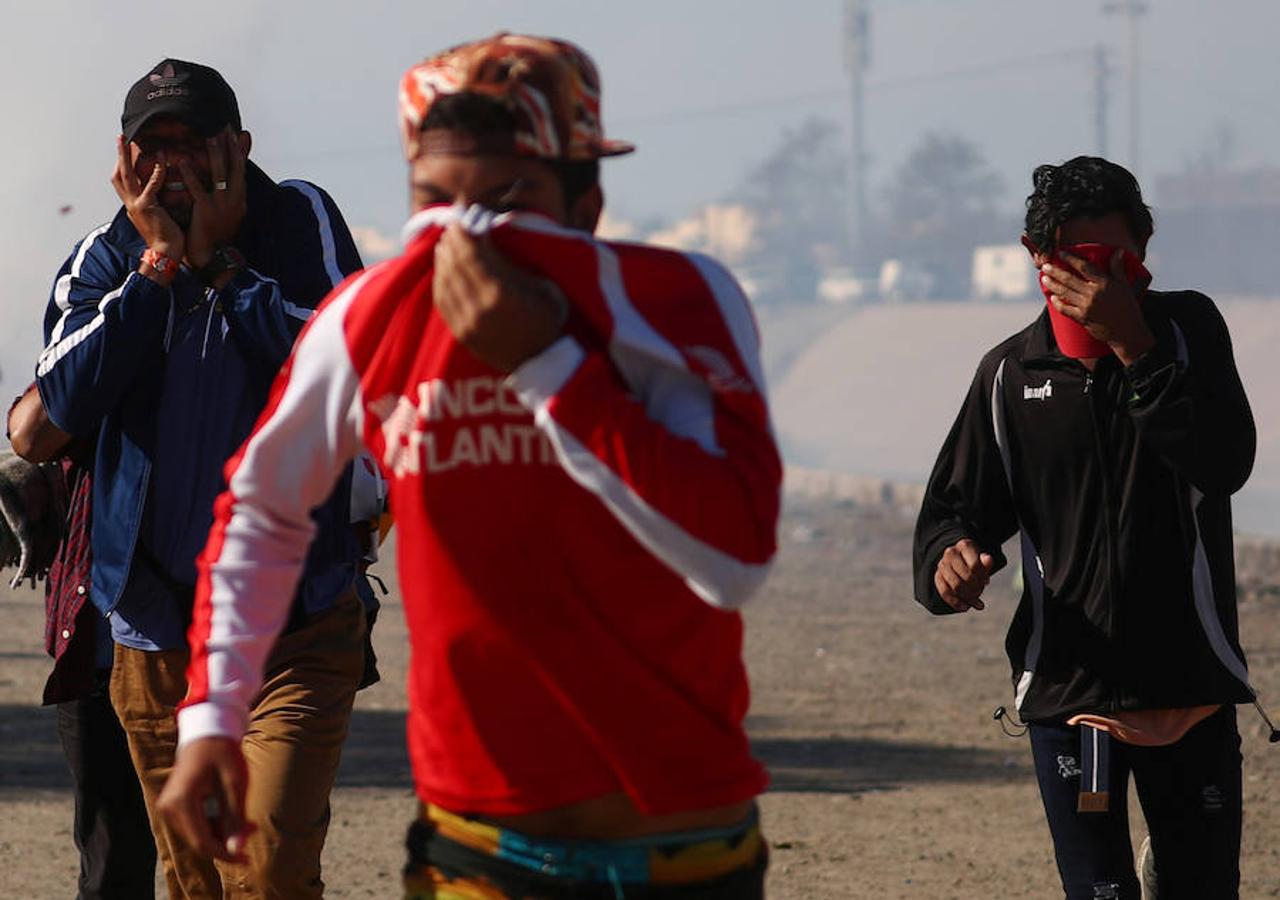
(170, 381)
(1119, 482)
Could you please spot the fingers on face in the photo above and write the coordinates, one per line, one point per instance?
(1071, 312)
(462, 260)
(483, 250)
(447, 255)
(1064, 297)
(1054, 290)
(217, 158)
(147, 192)
(192, 181)
(1077, 272)
(444, 277)
(450, 240)
(122, 163)
(235, 158)
(125, 178)
(117, 182)
(1079, 289)
(1083, 266)
(462, 246)
(1064, 284)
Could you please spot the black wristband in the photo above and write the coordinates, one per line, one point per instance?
(225, 259)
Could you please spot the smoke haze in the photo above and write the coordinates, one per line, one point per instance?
(709, 91)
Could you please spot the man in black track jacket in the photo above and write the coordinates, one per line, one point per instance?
(1110, 433)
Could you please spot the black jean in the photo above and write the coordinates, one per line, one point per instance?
(112, 832)
(1190, 794)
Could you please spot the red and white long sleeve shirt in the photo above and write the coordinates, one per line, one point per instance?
(573, 539)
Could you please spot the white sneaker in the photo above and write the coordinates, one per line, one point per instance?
(1147, 870)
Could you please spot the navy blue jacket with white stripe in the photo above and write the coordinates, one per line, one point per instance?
(1119, 482)
(171, 381)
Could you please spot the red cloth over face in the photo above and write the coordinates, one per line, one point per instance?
(1073, 339)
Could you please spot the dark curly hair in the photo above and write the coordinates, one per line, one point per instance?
(1085, 187)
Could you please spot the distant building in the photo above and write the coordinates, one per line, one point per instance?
(729, 232)
(1002, 272)
(843, 285)
(902, 280)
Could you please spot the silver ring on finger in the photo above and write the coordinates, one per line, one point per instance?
(219, 185)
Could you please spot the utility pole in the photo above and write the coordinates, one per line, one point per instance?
(857, 47)
(1101, 97)
(1133, 10)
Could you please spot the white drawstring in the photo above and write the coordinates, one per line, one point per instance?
(204, 346)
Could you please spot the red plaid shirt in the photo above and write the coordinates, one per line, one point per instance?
(70, 621)
(69, 635)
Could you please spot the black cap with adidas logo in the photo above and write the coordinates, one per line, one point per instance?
(190, 92)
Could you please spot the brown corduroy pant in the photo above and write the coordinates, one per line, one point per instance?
(292, 747)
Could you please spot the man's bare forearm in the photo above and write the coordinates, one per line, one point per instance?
(34, 436)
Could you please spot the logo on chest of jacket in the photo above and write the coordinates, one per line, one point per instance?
(1043, 392)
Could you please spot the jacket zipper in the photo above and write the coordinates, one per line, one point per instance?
(1111, 526)
(146, 481)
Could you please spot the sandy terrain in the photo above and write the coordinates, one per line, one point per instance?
(890, 779)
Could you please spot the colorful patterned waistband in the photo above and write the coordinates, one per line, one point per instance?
(672, 858)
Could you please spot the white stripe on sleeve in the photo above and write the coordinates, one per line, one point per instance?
(713, 575)
(327, 245)
(55, 352)
(62, 290)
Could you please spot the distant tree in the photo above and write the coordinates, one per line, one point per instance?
(941, 189)
(798, 196)
(939, 204)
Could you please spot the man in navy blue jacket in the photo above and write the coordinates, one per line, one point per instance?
(163, 334)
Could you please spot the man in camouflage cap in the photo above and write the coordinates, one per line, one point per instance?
(586, 488)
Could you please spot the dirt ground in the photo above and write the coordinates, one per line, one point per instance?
(890, 779)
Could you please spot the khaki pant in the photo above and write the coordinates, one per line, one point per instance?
(292, 748)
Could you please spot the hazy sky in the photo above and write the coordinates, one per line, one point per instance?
(704, 87)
